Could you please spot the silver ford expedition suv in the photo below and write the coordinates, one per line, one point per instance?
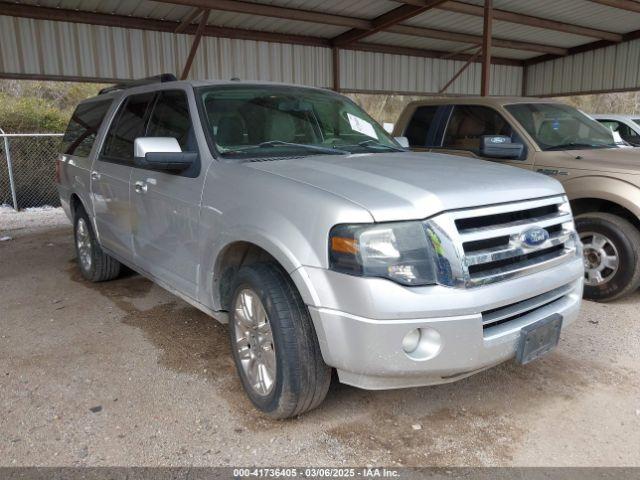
(290, 214)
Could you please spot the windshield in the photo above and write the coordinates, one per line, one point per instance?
(253, 121)
(560, 127)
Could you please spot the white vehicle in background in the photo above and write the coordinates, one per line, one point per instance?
(627, 126)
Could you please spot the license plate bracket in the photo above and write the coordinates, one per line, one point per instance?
(539, 338)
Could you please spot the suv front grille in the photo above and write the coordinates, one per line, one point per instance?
(490, 239)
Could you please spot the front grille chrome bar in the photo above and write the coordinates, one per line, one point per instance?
(513, 250)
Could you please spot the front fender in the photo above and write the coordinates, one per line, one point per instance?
(612, 189)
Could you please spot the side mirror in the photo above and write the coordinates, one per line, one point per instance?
(161, 153)
(403, 141)
(500, 146)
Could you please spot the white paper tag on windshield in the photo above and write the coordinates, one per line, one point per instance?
(362, 126)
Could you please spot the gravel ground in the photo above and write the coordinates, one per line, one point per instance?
(123, 373)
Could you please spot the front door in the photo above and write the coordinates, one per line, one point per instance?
(111, 174)
(467, 125)
(166, 206)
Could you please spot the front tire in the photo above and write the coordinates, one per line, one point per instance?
(611, 256)
(95, 265)
(274, 343)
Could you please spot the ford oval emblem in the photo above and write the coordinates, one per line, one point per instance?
(534, 236)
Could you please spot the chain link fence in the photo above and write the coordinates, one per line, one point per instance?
(27, 169)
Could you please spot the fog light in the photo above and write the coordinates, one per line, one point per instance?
(422, 343)
(411, 341)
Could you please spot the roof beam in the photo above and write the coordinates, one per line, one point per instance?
(363, 28)
(487, 36)
(196, 42)
(108, 20)
(629, 5)
(384, 21)
(189, 19)
(419, 52)
(265, 10)
(121, 21)
(474, 39)
(531, 21)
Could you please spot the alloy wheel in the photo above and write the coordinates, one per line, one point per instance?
(83, 242)
(601, 259)
(254, 342)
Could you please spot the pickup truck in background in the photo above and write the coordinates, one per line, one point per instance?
(290, 214)
(602, 181)
(627, 126)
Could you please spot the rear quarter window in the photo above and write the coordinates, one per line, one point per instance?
(83, 128)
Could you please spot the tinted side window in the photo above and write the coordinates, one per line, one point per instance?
(128, 125)
(170, 118)
(83, 128)
(419, 125)
(468, 123)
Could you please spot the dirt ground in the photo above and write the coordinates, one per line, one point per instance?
(123, 373)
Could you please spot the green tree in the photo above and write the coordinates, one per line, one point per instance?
(29, 114)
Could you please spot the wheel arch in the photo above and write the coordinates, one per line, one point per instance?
(605, 194)
(237, 253)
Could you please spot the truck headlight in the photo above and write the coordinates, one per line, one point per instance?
(400, 251)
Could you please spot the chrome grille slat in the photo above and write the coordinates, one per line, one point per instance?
(525, 306)
(513, 228)
(526, 268)
(502, 253)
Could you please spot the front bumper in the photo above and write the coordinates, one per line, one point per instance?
(361, 323)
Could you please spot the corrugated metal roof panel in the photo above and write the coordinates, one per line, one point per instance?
(612, 68)
(352, 8)
(143, 8)
(377, 72)
(279, 25)
(386, 38)
(457, 22)
(40, 47)
(578, 12)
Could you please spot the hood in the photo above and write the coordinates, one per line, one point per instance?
(409, 186)
(620, 160)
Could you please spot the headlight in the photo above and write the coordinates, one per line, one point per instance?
(401, 252)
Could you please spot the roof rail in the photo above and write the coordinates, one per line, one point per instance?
(162, 78)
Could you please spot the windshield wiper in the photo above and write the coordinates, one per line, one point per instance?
(574, 145)
(277, 143)
(376, 144)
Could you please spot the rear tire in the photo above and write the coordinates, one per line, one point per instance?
(611, 256)
(270, 325)
(94, 264)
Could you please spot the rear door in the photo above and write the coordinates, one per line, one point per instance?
(467, 124)
(166, 205)
(111, 174)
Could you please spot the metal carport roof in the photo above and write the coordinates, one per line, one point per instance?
(546, 47)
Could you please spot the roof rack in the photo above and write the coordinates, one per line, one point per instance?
(162, 78)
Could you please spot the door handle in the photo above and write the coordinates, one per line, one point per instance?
(95, 176)
(140, 187)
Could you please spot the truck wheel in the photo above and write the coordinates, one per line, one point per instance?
(274, 343)
(95, 265)
(611, 255)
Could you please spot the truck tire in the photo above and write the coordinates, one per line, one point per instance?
(94, 264)
(611, 255)
(274, 343)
